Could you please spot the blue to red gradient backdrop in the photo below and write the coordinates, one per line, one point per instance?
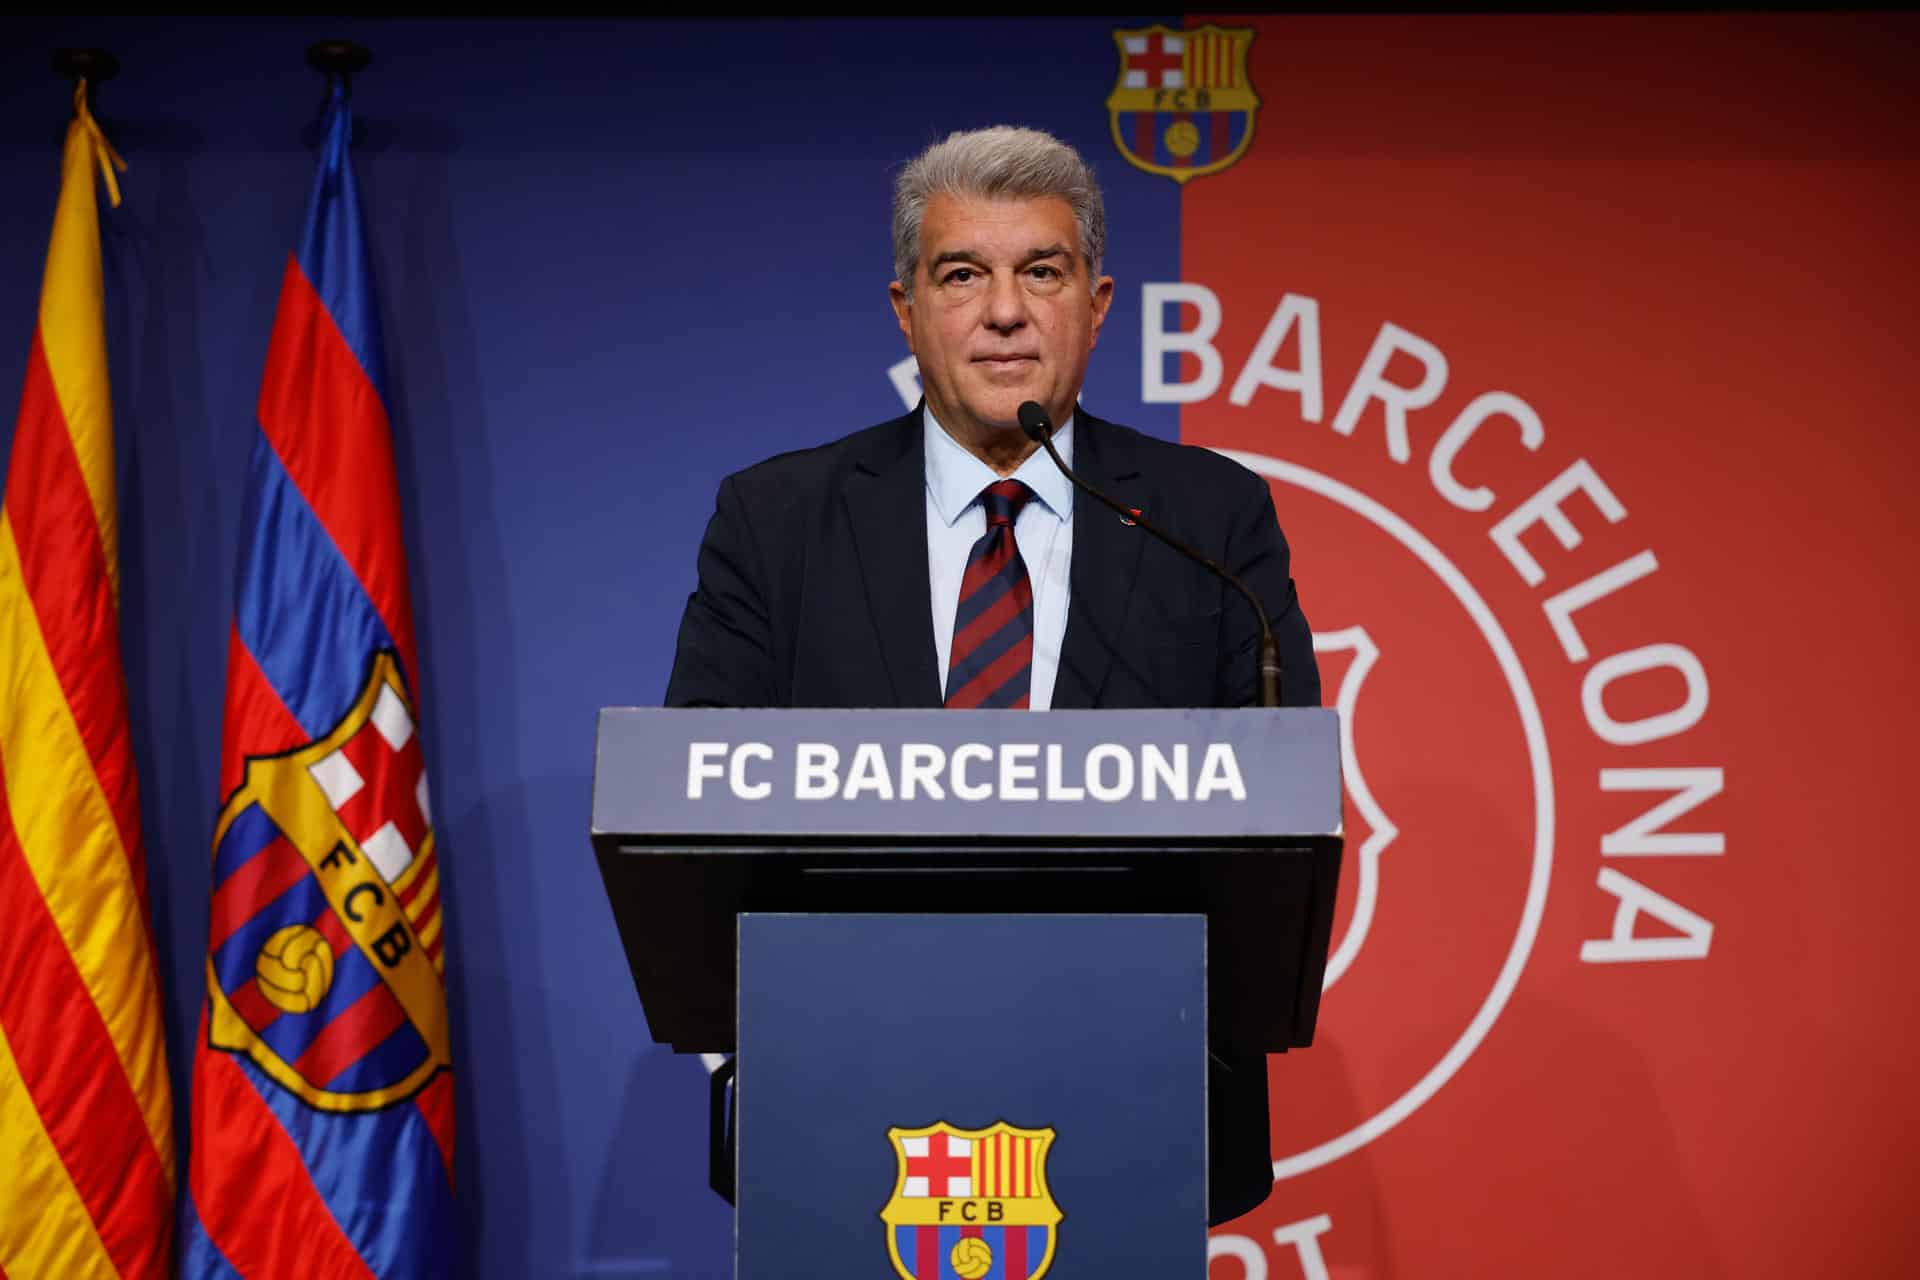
(1575, 347)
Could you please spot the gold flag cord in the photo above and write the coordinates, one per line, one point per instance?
(103, 151)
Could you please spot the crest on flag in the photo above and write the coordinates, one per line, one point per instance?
(1183, 105)
(324, 966)
(972, 1203)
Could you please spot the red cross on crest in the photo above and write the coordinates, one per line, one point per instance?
(940, 1165)
(1156, 62)
(376, 782)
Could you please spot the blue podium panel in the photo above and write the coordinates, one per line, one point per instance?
(971, 1097)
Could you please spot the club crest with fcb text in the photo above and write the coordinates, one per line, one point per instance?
(971, 1203)
(325, 954)
(1182, 105)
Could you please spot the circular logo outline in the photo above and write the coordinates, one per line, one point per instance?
(1540, 765)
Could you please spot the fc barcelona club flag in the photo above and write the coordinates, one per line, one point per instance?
(86, 1129)
(322, 1139)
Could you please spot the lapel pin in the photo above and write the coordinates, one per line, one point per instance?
(1130, 523)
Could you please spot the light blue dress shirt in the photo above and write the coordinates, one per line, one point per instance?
(956, 520)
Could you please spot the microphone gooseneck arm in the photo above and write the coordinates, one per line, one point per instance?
(1038, 426)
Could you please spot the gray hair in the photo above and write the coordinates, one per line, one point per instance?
(1003, 162)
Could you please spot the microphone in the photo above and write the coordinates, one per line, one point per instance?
(1038, 426)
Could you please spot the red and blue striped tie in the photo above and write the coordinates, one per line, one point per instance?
(992, 660)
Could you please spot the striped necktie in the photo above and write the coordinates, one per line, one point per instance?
(991, 664)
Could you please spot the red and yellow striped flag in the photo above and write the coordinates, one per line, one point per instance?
(86, 1130)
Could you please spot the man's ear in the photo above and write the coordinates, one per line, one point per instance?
(903, 310)
(1102, 300)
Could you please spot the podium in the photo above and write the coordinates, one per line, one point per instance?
(973, 963)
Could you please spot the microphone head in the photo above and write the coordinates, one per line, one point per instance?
(1034, 420)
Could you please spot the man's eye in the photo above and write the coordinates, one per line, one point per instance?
(1043, 272)
(959, 275)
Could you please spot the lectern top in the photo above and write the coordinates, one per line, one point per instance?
(702, 814)
(777, 776)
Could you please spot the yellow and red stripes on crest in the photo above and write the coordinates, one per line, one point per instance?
(418, 888)
(1005, 1164)
(86, 1135)
(1210, 61)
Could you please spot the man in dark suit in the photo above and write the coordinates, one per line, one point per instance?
(940, 559)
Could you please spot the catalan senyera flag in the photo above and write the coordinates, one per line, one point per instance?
(322, 1141)
(86, 1130)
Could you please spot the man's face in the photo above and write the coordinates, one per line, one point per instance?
(1003, 310)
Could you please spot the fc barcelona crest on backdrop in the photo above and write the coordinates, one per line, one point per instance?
(1183, 105)
(971, 1203)
(325, 956)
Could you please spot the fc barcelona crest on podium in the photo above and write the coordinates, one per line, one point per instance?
(971, 1203)
(1183, 105)
(326, 945)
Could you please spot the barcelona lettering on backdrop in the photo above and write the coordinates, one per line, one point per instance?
(1297, 317)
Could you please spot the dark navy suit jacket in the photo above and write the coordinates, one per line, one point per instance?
(813, 592)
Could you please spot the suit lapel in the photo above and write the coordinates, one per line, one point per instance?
(1106, 559)
(887, 507)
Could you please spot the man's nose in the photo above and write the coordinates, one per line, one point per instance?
(1006, 308)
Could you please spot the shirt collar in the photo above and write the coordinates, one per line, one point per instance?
(955, 477)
